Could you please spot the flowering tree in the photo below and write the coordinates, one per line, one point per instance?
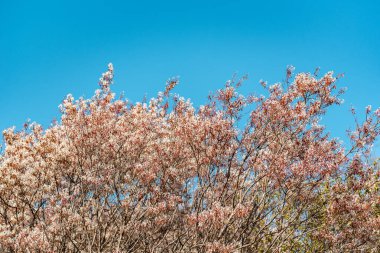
(162, 176)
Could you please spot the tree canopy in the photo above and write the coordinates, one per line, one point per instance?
(241, 173)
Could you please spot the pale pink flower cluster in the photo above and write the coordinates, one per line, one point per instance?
(106, 80)
(239, 174)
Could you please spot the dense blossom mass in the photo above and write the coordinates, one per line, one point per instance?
(239, 174)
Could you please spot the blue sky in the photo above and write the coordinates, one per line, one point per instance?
(51, 48)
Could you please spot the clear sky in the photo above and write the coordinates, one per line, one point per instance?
(51, 48)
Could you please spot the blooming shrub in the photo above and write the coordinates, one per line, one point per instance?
(163, 176)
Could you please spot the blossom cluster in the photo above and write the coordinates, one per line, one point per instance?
(239, 174)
